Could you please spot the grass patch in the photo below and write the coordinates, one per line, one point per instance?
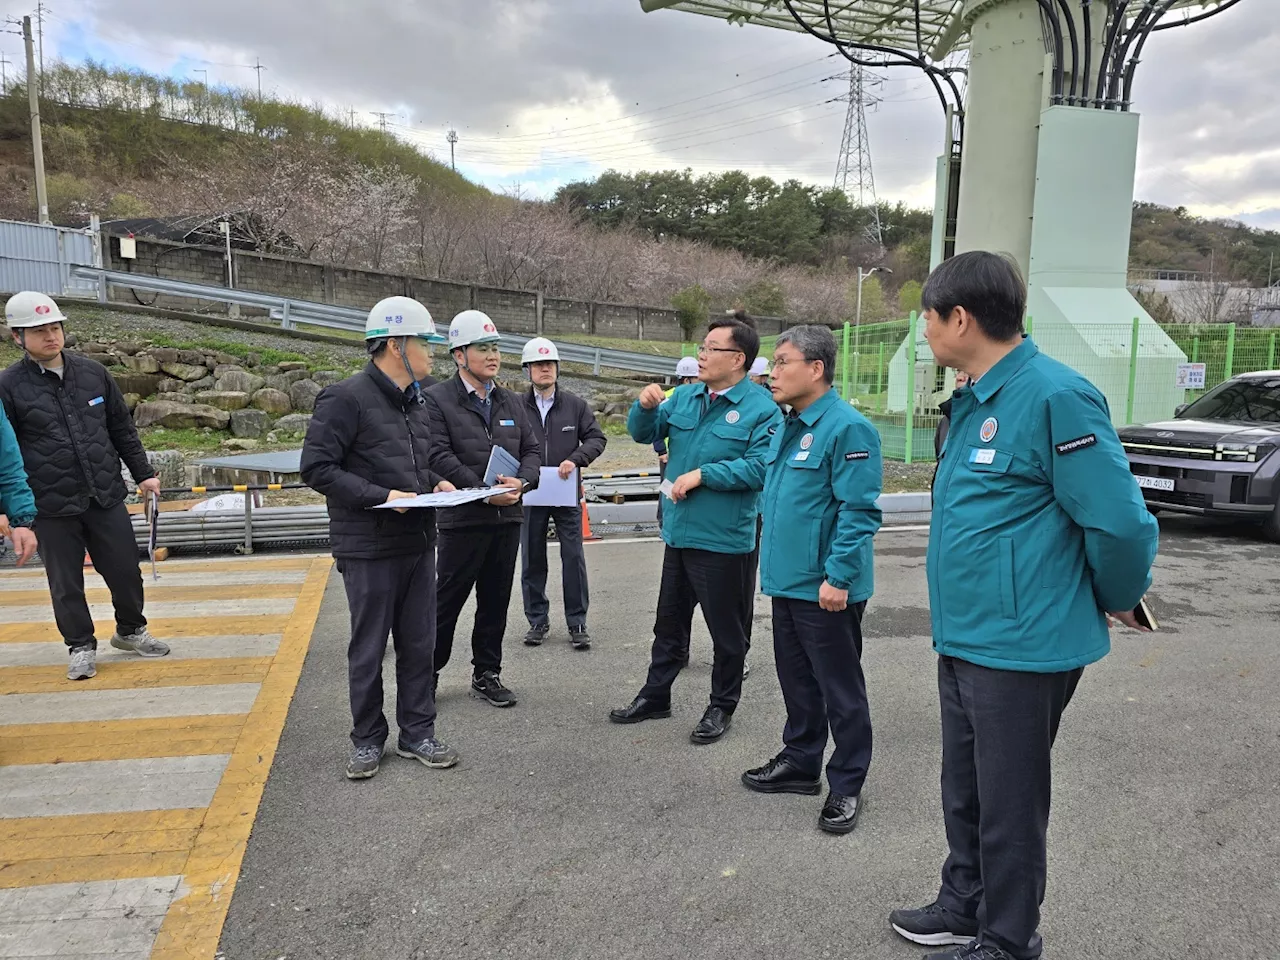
(187, 439)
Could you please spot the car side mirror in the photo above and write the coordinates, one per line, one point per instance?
(1180, 409)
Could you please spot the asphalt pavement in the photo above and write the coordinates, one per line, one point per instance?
(561, 835)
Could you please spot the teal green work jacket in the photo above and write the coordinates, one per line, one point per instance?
(1038, 525)
(727, 440)
(820, 512)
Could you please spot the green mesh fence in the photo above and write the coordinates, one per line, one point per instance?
(887, 371)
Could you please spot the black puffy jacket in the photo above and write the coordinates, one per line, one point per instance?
(570, 433)
(367, 438)
(73, 430)
(463, 442)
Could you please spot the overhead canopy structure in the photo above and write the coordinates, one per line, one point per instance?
(865, 21)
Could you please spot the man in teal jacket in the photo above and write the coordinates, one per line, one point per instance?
(17, 502)
(1038, 530)
(820, 516)
(717, 434)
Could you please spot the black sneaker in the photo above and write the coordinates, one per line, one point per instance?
(579, 637)
(431, 752)
(972, 951)
(933, 926)
(364, 761)
(537, 633)
(488, 686)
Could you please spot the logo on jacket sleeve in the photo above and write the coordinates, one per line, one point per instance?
(1079, 443)
(806, 441)
(989, 428)
(858, 455)
(732, 416)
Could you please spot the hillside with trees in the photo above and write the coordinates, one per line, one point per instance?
(127, 144)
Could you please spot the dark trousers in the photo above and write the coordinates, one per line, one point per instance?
(998, 727)
(573, 564)
(396, 596)
(716, 582)
(681, 624)
(484, 558)
(819, 658)
(107, 535)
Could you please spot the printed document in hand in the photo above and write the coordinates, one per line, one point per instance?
(449, 498)
(666, 487)
(552, 491)
(501, 464)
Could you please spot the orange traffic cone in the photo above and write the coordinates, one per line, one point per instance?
(87, 561)
(586, 522)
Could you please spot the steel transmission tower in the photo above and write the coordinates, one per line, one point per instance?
(853, 170)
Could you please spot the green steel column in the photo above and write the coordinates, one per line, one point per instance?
(911, 387)
(1195, 350)
(880, 378)
(1231, 351)
(844, 364)
(1271, 352)
(1030, 325)
(1133, 371)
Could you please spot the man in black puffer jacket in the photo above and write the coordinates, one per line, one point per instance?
(73, 428)
(470, 415)
(369, 443)
(570, 439)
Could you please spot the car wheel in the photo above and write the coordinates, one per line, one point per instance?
(1271, 525)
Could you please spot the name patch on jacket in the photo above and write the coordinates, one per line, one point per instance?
(95, 401)
(568, 429)
(858, 455)
(1079, 443)
(506, 423)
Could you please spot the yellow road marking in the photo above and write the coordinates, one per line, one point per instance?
(193, 925)
(136, 674)
(119, 739)
(169, 629)
(201, 566)
(116, 846)
(157, 592)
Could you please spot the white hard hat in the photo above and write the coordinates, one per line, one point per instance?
(687, 367)
(400, 317)
(539, 348)
(471, 326)
(30, 309)
(759, 367)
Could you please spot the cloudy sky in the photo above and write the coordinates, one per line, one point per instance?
(542, 92)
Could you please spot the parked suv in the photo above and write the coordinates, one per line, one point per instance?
(1219, 456)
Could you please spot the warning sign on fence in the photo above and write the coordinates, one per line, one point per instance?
(1191, 376)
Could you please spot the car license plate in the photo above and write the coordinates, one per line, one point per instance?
(1155, 483)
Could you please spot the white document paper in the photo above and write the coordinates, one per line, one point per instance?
(666, 487)
(449, 498)
(552, 491)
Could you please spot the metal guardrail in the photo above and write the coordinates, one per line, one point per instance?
(289, 312)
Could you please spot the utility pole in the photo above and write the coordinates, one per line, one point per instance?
(452, 137)
(5, 62)
(40, 25)
(853, 170)
(382, 119)
(37, 147)
(257, 65)
(352, 114)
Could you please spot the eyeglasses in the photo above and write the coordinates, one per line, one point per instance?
(784, 362)
(704, 349)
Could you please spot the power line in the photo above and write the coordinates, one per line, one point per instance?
(854, 174)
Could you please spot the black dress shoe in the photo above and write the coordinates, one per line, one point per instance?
(712, 726)
(839, 813)
(780, 775)
(640, 709)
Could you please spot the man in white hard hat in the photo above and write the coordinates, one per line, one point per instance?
(760, 372)
(369, 443)
(570, 439)
(74, 428)
(470, 415)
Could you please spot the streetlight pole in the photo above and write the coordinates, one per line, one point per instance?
(857, 313)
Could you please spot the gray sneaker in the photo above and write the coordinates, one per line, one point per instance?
(579, 637)
(432, 752)
(84, 664)
(142, 643)
(364, 762)
(537, 633)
